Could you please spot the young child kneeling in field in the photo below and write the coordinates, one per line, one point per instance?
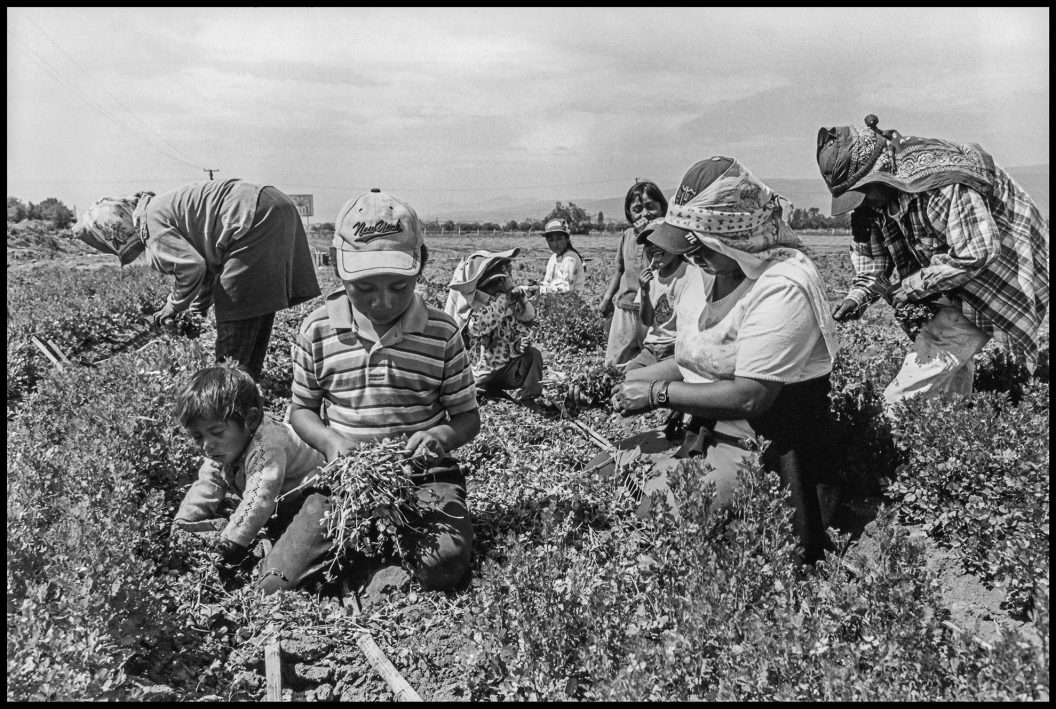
(496, 317)
(660, 286)
(247, 455)
(376, 362)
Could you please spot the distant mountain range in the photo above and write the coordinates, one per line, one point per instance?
(802, 193)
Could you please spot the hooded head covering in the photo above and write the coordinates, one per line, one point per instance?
(470, 273)
(112, 225)
(729, 210)
(851, 157)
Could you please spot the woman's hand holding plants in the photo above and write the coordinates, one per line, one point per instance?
(631, 397)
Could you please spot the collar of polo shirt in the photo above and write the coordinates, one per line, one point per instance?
(339, 310)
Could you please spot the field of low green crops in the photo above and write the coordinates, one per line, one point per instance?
(573, 597)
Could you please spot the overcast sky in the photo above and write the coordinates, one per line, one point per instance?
(448, 107)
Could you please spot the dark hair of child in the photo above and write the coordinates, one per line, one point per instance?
(643, 189)
(583, 260)
(224, 392)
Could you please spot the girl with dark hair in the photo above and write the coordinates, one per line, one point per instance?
(565, 271)
(643, 203)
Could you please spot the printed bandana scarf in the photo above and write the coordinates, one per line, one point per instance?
(740, 217)
(736, 208)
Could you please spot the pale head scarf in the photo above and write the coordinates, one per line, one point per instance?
(114, 225)
(462, 290)
(740, 217)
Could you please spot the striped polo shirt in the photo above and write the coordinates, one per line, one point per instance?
(414, 378)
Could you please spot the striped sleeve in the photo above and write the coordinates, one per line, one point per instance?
(305, 390)
(458, 393)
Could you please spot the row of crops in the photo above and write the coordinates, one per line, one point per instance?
(573, 596)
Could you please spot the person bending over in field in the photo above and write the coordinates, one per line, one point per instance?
(376, 362)
(627, 331)
(496, 316)
(565, 271)
(230, 244)
(248, 456)
(662, 283)
(753, 348)
(961, 235)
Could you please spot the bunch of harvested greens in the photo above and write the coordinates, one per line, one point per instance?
(913, 316)
(371, 497)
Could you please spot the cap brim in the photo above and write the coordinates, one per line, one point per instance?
(846, 202)
(353, 265)
(669, 238)
(557, 231)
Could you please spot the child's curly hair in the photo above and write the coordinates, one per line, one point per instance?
(223, 392)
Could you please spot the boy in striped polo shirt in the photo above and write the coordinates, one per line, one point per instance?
(376, 362)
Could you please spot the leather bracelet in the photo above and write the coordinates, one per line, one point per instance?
(652, 393)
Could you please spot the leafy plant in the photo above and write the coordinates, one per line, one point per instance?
(976, 479)
(565, 323)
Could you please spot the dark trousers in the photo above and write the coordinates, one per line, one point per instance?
(799, 426)
(437, 541)
(245, 341)
(523, 373)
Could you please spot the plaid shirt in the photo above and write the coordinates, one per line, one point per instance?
(991, 252)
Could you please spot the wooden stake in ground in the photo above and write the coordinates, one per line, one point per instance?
(272, 654)
(51, 351)
(376, 657)
(273, 666)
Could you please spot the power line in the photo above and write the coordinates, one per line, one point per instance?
(133, 180)
(54, 73)
(102, 86)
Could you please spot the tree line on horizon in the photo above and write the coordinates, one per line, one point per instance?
(51, 210)
(580, 222)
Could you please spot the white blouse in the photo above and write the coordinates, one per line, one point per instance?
(765, 329)
(564, 273)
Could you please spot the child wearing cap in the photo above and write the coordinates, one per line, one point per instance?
(565, 269)
(497, 324)
(248, 456)
(661, 285)
(376, 362)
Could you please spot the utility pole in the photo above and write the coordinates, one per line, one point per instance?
(210, 171)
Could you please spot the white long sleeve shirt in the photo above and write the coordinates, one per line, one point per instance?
(564, 273)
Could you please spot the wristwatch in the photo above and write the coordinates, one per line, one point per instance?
(661, 393)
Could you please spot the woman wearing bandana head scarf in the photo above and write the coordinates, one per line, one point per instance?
(233, 245)
(643, 203)
(941, 225)
(754, 346)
